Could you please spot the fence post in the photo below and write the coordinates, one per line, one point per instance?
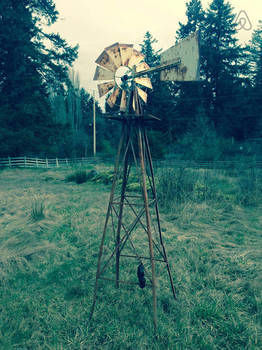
(57, 164)
(36, 162)
(9, 162)
(66, 161)
(46, 162)
(25, 162)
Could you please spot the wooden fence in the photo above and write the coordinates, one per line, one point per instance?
(30, 162)
(227, 164)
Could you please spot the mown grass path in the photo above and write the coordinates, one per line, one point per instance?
(47, 273)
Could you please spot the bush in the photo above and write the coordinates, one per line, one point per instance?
(201, 142)
(37, 211)
(79, 176)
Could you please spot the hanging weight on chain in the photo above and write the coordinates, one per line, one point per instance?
(141, 276)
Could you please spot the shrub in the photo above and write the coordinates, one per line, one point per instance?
(201, 142)
(79, 176)
(37, 210)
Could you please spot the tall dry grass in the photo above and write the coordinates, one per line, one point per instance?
(48, 266)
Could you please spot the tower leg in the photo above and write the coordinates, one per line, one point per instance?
(149, 157)
(148, 222)
(121, 207)
(120, 146)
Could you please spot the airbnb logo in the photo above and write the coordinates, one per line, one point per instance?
(243, 22)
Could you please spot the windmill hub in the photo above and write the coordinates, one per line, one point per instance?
(116, 66)
(122, 78)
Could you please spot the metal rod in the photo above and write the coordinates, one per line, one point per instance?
(94, 125)
(106, 222)
(157, 213)
(141, 223)
(121, 207)
(124, 238)
(158, 68)
(143, 175)
(141, 257)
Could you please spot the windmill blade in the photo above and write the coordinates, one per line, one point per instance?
(103, 74)
(134, 104)
(106, 61)
(142, 94)
(115, 54)
(187, 51)
(112, 98)
(126, 51)
(144, 82)
(123, 101)
(142, 66)
(105, 87)
(135, 59)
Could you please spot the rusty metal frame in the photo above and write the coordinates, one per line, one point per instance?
(133, 131)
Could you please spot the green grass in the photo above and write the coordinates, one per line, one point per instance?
(47, 267)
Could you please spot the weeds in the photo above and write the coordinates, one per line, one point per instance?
(178, 186)
(250, 187)
(37, 210)
(79, 177)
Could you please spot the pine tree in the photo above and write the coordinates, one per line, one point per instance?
(255, 50)
(152, 56)
(255, 91)
(195, 19)
(29, 64)
(159, 101)
(188, 95)
(223, 66)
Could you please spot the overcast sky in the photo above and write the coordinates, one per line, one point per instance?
(95, 25)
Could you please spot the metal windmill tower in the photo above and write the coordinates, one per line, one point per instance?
(132, 225)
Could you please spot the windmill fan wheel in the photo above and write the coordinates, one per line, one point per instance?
(115, 66)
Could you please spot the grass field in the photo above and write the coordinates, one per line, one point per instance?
(50, 231)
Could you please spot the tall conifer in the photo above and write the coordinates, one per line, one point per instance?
(31, 62)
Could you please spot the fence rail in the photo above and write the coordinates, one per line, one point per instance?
(224, 164)
(30, 162)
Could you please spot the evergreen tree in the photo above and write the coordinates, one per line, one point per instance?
(73, 102)
(200, 142)
(189, 94)
(223, 67)
(152, 56)
(195, 20)
(254, 93)
(159, 101)
(255, 50)
(28, 63)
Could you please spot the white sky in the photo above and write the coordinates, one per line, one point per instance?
(95, 25)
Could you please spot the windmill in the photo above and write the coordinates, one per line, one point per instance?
(132, 225)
